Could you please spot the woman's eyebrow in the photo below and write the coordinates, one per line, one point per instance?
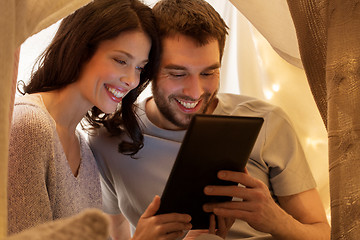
(126, 53)
(131, 56)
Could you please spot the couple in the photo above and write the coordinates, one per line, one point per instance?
(52, 173)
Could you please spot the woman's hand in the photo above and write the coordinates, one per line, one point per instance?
(224, 225)
(161, 227)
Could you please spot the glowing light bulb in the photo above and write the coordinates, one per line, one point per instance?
(275, 87)
(268, 94)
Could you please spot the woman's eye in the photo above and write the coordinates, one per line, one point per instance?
(122, 62)
(140, 69)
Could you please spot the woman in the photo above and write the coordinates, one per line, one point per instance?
(97, 57)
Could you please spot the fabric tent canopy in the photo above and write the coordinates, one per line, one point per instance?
(324, 33)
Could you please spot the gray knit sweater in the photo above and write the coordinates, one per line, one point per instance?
(41, 186)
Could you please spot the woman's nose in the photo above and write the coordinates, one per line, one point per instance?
(131, 79)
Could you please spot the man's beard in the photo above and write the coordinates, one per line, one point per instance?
(173, 115)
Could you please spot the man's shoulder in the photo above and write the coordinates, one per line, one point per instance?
(234, 104)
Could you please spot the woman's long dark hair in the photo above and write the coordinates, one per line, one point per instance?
(74, 44)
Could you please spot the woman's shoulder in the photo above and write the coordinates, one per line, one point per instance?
(29, 101)
(30, 106)
(30, 115)
(32, 134)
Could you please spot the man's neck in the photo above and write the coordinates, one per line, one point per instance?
(212, 106)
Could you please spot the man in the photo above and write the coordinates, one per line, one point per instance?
(280, 199)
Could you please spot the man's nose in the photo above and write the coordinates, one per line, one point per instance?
(193, 87)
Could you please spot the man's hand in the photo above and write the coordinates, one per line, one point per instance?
(257, 207)
(299, 216)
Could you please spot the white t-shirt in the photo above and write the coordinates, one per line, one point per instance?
(129, 184)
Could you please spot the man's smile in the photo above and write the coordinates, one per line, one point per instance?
(188, 104)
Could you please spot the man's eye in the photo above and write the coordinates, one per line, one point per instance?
(177, 75)
(206, 74)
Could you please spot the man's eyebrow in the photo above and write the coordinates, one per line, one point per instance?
(214, 66)
(180, 67)
(174, 67)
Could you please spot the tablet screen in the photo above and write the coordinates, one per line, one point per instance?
(211, 143)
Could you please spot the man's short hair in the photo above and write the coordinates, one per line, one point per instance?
(194, 18)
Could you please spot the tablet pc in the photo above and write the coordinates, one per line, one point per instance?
(211, 143)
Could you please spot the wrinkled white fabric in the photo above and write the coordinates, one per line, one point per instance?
(273, 20)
